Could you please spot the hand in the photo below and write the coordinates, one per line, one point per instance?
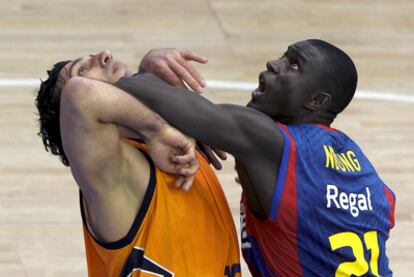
(174, 153)
(210, 155)
(173, 66)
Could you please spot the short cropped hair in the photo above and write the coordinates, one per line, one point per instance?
(339, 75)
(48, 104)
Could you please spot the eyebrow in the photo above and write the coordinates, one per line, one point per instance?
(302, 54)
(73, 65)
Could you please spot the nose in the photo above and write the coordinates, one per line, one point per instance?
(273, 66)
(103, 57)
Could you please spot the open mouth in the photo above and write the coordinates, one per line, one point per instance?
(262, 84)
(259, 91)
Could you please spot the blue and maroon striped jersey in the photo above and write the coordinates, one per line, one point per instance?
(331, 213)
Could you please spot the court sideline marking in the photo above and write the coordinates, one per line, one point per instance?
(245, 86)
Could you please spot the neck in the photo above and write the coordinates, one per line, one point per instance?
(323, 118)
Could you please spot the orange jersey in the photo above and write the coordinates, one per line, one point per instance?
(175, 233)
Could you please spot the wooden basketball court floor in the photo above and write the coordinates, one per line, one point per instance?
(40, 226)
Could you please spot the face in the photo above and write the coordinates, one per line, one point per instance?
(288, 83)
(100, 66)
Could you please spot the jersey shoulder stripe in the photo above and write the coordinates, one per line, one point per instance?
(286, 163)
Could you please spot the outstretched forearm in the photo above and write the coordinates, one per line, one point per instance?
(192, 114)
(249, 135)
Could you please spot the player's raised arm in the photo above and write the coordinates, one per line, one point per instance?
(234, 129)
(91, 112)
(252, 137)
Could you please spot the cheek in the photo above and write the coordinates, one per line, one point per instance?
(98, 74)
(287, 104)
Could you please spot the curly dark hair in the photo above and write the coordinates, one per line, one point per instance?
(48, 104)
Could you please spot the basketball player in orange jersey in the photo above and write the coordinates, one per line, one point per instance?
(136, 222)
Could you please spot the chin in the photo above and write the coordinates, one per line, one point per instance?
(254, 105)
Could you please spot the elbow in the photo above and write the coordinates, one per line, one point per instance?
(77, 85)
(77, 92)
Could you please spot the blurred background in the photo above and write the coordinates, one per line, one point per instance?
(40, 223)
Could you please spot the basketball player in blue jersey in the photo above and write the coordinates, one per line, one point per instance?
(312, 203)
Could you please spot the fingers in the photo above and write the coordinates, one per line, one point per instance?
(221, 154)
(188, 182)
(192, 168)
(188, 171)
(168, 75)
(184, 159)
(201, 150)
(185, 74)
(174, 67)
(210, 155)
(214, 161)
(184, 183)
(186, 166)
(194, 73)
(191, 56)
(179, 182)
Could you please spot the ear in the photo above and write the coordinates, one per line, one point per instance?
(319, 101)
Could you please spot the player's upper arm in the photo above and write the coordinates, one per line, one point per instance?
(92, 147)
(251, 133)
(251, 136)
(234, 129)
